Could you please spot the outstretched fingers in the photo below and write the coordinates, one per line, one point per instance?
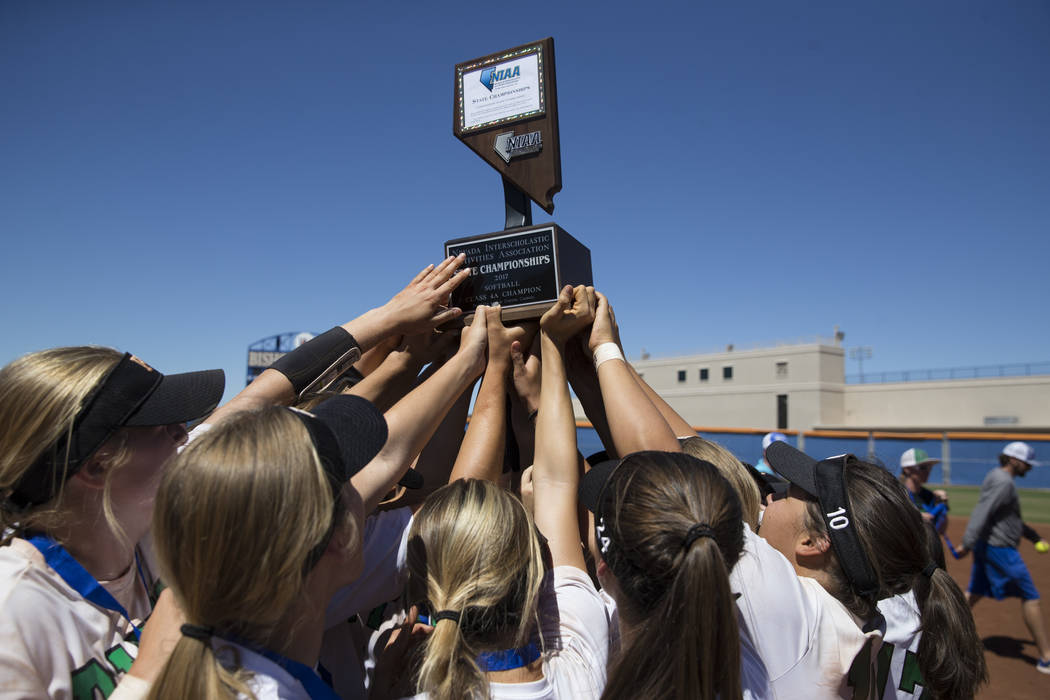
(445, 270)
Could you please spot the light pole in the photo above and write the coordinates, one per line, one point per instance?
(860, 354)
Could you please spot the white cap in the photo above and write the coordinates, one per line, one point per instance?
(1020, 450)
(915, 457)
(770, 438)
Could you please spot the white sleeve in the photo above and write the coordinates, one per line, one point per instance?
(383, 576)
(576, 633)
(131, 688)
(197, 431)
(776, 609)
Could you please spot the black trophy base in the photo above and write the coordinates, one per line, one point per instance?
(521, 269)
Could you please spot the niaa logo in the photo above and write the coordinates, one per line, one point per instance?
(491, 76)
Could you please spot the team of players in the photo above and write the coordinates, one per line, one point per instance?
(76, 589)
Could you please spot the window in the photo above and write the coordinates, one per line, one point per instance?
(727, 373)
(681, 375)
(782, 411)
(782, 370)
(703, 374)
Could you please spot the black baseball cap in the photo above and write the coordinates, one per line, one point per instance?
(132, 394)
(347, 431)
(592, 485)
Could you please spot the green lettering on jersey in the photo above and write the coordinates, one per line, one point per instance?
(120, 658)
(91, 681)
(860, 676)
(883, 672)
(912, 676)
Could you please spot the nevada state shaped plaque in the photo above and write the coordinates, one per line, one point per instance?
(506, 111)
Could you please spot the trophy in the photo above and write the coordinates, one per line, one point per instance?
(506, 111)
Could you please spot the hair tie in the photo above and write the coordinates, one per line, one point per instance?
(696, 532)
(928, 571)
(197, 632)
(446, 615)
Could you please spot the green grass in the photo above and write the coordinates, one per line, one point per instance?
(1035, 503)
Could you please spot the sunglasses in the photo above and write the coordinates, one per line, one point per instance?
(777, 494)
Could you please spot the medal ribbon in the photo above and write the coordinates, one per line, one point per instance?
(508, 658)
(79, 579)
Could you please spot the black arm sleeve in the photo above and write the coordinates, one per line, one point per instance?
(1030, 534)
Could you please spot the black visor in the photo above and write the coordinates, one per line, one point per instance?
(826, 481)
(131, 394)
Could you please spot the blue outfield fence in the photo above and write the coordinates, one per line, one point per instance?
(969, 458)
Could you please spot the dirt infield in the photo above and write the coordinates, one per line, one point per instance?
(1008, 648)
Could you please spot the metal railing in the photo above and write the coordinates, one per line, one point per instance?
(1019, 369)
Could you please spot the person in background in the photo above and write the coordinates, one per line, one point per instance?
(915, 471)
(993, 533)
(767, 440)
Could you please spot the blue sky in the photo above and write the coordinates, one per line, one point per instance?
(181, 179)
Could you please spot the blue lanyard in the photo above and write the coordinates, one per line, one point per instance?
(315, 687)
(78, 577)
(308, 677)
(508, 658)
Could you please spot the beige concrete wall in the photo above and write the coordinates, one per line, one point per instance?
(958, 403)
(805, 363)
(818, 397)
(751, 406)
(812, 383)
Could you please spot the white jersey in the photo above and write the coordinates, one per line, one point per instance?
(268, 680)
(53, 642)
(901, 648)
(811, 645)
(576, 643)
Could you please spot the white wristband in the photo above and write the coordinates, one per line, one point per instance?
(606, 352)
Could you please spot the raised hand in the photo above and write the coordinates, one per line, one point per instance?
(430, 346)
(423, 304)
(501, 338)
(391, 679)
(473, 341)
(526, 374)
(571, 313)
(604, 329)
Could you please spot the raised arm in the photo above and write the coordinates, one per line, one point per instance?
(679, 426)
(635, 423)
(525, 396)
(412, 421)
(557, 466)
(418, 307)
(435, 462)
(481, 454)
(584, 382)
(390, 381)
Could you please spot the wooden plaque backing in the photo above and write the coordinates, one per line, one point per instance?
(537, 174)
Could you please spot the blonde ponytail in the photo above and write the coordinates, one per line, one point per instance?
(473, 551)
(237, 515)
